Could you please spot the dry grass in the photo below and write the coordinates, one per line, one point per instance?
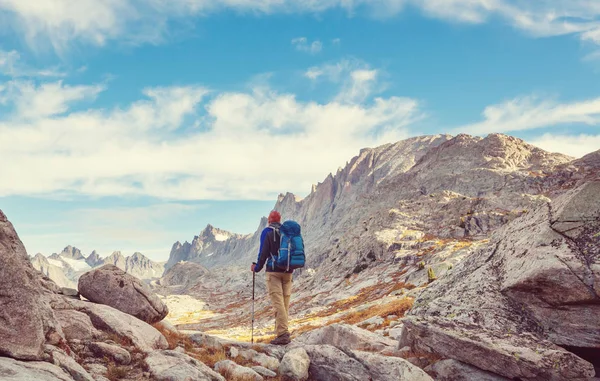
(120, 340)
(395, 307)
(115, 372)
(175, 339)
(208, 356)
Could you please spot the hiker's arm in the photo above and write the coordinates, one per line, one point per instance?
(263, 252)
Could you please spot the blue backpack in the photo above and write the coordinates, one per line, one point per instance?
(291, 247)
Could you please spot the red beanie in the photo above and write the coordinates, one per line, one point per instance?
(274, 216)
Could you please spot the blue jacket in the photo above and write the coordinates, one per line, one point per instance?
(269, 246)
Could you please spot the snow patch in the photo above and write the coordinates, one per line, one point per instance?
(209, 254)
(77, 264)
(55, 262)
(221, 237)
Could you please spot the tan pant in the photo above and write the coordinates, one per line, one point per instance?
(279, 286)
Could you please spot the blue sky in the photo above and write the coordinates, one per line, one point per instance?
(128, 125)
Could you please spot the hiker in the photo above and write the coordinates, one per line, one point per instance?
(279, 281)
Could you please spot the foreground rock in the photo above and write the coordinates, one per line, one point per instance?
(452, 370)
(344, 335)
(76, 325)
(116, 353)
(294, 365)
(11, 370)
(508, 307)
(107, 319)
(26, 319)
(235, 371)
(175, 366)
(330, 363)
(114, 287)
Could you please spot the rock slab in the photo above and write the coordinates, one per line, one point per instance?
(175, 366)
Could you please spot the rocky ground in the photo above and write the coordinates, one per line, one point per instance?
(112, 328)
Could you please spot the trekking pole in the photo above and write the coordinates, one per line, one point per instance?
(253, 283)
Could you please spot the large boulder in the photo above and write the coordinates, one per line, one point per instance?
(114, 287)
(514, 306)
(26, 317)
(175, 366)
(348, 336)
(12, 370)
(110, 320)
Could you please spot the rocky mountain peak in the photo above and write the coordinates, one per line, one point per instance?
(72, 253)
(212, 234)
(93, 259)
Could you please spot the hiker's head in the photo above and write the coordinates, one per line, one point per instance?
(274, 216)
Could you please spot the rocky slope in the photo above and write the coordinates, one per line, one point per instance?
(396, 222)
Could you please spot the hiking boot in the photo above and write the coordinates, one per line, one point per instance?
(282, 340)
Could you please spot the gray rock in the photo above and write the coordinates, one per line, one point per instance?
(505, 307)
(96, 369)
(237, 371)
(175, 366)
(26, 317)
(12, 370)
(75, 325)
(294, 365)
(264, 371)
(375, 320)
(266, 361)
(207, 341)
(452, 370)
(69, 365)
(331, 364)
(384, 368)
(112, 286)
(395, 333)
(108, 319)
(114, 352)
(343, 335)
(71, 292)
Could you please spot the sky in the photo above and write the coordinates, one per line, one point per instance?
(131, 124)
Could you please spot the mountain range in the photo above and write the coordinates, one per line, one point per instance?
(66, 267)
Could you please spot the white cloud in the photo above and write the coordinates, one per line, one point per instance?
(531, 113)
(179, 143)
(592, 35)
(60, 23)
(336, 41)
(302, 45)
(574, 145)
(356, 78)
(48, 99)
(11, 66)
